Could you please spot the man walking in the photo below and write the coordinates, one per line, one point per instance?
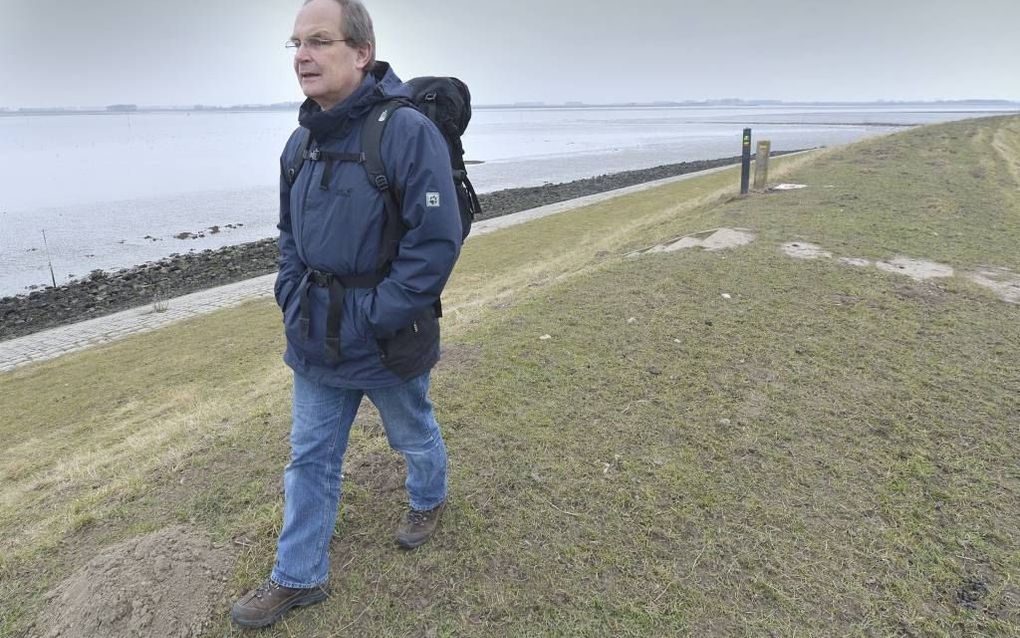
(359, 297)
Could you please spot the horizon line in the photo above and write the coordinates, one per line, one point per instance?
(129, 108)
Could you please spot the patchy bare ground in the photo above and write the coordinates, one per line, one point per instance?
(917, 269)
(167, 583)
(1002, 281)
(804, 250)
(459, 357)
(710, 240)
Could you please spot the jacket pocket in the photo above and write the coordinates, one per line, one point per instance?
(310, 348)
(413, 349)
(283, 290)
(291, 314)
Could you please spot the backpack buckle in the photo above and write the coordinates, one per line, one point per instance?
(314, 155)
(381, 182)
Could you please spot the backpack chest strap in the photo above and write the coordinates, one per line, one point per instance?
(330, 158)
(317, 154)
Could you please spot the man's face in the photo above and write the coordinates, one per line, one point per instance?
(332, 72)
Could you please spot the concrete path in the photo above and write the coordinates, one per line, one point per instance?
(55, 342)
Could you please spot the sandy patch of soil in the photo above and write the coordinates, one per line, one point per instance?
(167, 583)
(680, 244)
(727, 238)
(1002, 281)
(803, 250)
(712, 240)
(917, 269)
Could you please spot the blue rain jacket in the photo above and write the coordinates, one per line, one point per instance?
(388, 333)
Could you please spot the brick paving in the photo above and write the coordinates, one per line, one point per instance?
(62, 340)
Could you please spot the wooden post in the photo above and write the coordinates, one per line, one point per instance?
(761, 165)
(745, 162)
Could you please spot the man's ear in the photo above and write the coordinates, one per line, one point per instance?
(364, 55)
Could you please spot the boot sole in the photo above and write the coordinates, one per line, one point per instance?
(303, 601)
(412, 544)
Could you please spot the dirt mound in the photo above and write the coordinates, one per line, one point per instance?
(167, 583)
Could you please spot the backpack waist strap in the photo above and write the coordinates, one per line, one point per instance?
(337, 285)
(327, 279)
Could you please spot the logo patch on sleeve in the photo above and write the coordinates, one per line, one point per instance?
(432, 199)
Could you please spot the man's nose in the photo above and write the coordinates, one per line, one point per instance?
(302, 53)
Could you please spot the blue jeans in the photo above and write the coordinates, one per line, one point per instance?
(322, 418)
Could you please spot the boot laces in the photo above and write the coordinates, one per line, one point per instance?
(417, 517)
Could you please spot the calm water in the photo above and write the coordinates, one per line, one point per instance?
(114, 190)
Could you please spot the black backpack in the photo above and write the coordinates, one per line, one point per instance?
(444, 100)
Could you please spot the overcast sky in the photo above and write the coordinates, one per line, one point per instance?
(181, 52)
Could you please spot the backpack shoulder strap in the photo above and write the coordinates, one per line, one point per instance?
(371, 142)
(371, 148)
(292, 165)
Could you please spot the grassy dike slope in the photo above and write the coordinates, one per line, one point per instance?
(832, 450)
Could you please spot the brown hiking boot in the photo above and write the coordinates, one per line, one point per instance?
(417, 526)
(265, 604)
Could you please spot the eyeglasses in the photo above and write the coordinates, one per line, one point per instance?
(315, 44)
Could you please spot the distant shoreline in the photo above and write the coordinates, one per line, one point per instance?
(104, 293)
(1004, 106)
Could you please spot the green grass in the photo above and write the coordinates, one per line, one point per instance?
(830, 451)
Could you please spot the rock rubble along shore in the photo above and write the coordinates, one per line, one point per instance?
(103, 292)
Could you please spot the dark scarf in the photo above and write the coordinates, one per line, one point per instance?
(338, 120)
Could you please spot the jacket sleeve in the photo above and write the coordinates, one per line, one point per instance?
(418, 162)
(291, 267)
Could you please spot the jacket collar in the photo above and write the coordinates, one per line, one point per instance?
(379, 83)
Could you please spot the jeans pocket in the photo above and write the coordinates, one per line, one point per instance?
(413, 349)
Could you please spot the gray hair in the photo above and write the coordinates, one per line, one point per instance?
(356, 26)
